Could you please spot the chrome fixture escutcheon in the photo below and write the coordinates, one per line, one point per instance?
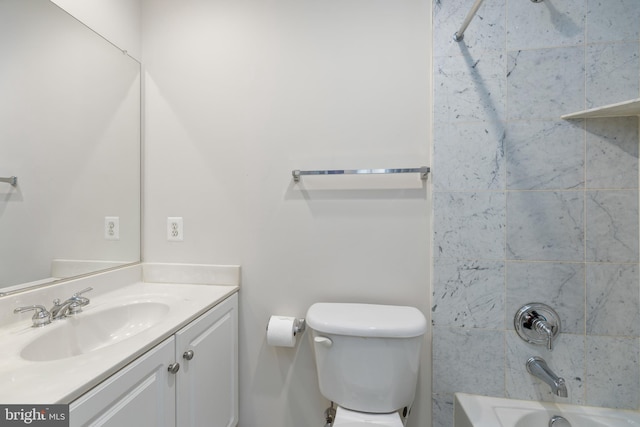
(537, 323)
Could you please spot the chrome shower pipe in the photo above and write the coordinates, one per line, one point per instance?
(459, 35)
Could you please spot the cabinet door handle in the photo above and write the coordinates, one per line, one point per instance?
(174, 368)
(188, 355)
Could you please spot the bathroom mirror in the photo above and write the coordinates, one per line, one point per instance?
(70, 133)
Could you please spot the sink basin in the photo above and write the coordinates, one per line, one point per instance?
(89, 332)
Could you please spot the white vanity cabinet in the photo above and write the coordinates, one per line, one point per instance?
(207, 383)
(141, 394)
(203, 391)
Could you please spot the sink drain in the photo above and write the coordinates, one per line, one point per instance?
(558, 421)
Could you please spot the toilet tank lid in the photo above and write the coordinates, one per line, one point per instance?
(366, 320)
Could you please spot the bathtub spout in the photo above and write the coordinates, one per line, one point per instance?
(537, 367)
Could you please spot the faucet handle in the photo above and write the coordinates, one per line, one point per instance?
(537, 323)
(77, 294)
(41, 316)
(544, 328)
(79, 301)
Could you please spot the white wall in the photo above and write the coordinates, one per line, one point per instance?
(117, 20)
(239, 93)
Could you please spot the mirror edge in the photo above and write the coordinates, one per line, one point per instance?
(25, 288)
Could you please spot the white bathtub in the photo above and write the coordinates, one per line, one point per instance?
(472, 410)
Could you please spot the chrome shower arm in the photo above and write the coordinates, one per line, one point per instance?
(459, 35)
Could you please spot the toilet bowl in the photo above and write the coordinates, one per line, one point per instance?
(347, 418)
(367, 359)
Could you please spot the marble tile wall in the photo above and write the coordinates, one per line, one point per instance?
(529, 207)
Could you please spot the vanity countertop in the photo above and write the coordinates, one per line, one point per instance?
(65, 379)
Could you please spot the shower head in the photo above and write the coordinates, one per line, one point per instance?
(536, 1)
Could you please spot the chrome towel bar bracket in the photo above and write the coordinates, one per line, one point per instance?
(13, 180)
(423, 171)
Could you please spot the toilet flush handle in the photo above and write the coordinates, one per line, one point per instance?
(324, 341)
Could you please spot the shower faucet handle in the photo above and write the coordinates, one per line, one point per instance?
(537, 323)
(542, 326)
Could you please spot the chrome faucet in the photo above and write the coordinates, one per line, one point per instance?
(71, 306)
(537, 367)
(43, 317)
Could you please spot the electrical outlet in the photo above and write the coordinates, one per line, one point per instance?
(175, 230)
(112, 228)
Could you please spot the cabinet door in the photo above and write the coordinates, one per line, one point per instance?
(142, 394)
(207, 384)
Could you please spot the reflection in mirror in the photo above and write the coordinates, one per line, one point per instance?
(70, 133)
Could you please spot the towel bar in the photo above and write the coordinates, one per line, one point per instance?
(423, 171)
(13, 180)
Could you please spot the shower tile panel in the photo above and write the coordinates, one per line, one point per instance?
(612, 226)
(612, 21)
(468, 359)
(612, 73)
(613, 300)
(546, 83)
(612, 152)
(613, 372)
(469, 294)
(550, 23)
(545, 155)
(545, 225)
(470, 87)
(442, 409)
(474, 157)
(469, 225)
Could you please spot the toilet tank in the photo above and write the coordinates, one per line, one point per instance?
(367, 355)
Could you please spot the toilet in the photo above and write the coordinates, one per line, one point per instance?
(367, 359)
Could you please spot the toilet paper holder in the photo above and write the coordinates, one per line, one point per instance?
(299, 326)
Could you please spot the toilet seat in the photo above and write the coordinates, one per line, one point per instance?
(347, 418)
